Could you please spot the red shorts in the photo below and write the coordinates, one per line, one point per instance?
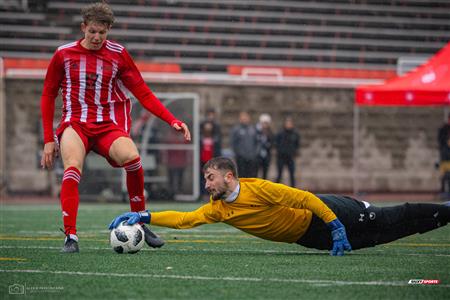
(96, 137)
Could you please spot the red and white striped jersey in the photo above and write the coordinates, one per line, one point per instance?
(95, 85)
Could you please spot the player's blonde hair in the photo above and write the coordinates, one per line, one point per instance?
(98, 13)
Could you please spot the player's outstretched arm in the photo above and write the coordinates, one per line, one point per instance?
(52, 84)
(132, 217)
(340, 241)
(133, 80)
(169, 218)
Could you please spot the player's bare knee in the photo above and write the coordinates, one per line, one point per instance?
(73, 164)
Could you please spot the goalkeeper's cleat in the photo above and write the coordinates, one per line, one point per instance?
(152, 239)
(70, 244)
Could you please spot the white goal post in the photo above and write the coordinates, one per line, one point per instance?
(172, 148)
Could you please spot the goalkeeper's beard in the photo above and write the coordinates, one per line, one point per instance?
(220, 194)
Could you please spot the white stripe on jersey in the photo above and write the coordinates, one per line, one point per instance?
(111, 104)
(114, 44)
(68, 90)
(123, 89)
(127, 113)
(119, 83)
(81, 95)
(114, 47)
(127, 93)
(67, 45)
(98, 89)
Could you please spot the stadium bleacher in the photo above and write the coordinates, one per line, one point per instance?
(210, 36)
(290, 57)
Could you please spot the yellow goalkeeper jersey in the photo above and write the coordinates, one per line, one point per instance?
(268, 210)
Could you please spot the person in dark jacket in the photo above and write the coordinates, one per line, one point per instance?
(443, 135)
(444, 167)
(244, 143)
(287, 143)
(444, 158)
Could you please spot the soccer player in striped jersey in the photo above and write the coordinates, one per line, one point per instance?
(276, 212)
(94, 76)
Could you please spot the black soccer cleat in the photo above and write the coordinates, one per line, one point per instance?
(152, 239)
(70, 245)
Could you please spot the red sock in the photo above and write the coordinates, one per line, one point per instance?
(135, 184)
(70, 199)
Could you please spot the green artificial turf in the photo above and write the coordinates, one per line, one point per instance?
(209, 262)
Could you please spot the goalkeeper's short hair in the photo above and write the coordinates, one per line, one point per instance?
(221, 163)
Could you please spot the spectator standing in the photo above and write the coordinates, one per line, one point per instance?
(265, 141)
(211, 117)
(444, 167)
(209, 147)
(444, 158)
(443, 135)
(244, 144)
(287, 143)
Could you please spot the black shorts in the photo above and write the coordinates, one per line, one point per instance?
(355, 215)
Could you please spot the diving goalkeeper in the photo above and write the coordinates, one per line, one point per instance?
(280, 213)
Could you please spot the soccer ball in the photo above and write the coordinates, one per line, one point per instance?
(127, 238)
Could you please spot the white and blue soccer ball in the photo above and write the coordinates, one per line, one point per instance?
(127, 238)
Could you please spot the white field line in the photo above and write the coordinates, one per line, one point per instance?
(166, 250)
(227, 278)
(267, 251)
(103, 230)
(420, 254)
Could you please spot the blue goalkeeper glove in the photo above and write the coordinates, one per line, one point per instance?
(132, 217)
(340, 241)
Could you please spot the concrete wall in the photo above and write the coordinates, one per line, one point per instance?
(398, 145)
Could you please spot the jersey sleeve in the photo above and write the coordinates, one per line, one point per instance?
(279, 194)
(133, 81)
(52, 83)
(185, 220)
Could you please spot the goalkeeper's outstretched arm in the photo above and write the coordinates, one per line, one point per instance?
(170, 219)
